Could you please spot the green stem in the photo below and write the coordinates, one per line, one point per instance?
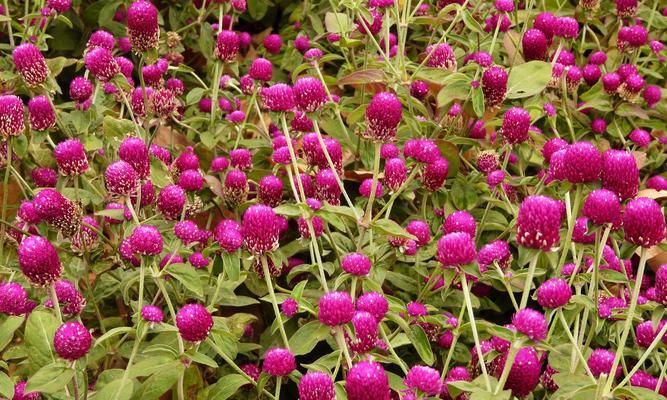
(475, 335)
(514, 349)
(529, 281)
(571, 218)
(394, 196)
(575, 346)
(391, 350)
(56, 304)
(644, 356)
(340, 340)
(5, 193)
(274, 301)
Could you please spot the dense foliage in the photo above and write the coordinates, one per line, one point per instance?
(343, 199)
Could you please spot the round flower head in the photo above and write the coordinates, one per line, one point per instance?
(70, 299)
(524, 374)
(101, 38)
(142, 25)
(194, 322)
(441, 56)
(85, 238)
(531, 323)
(424, 379)
(496, 251)
(554, 293)
(146, 240)
(227, 45)
(419, 89)
(367, 186)
(289, 307)
(383, 116)
(261, 69)
(631, 87)
(367, 380)
(652, 95)
(260, 229)
(187, 231)
(191, 180)
(454, 375)
(534, 44)
(42, 115)
(71, 157)
(611, 81)
(279, 362)
(163, 103)
(422, 150)
(434, 175)
(602, 207)
(657, 182)
(640, 137)
(487, 161)
(121, 179)
(235, 188)
(335, 308)
(13, 298)
(375, 304)
(241, 159)
(626, 8)
(494, 86)
(395, 173)
(566, 27)
(19, 387)
(582, 162)
(620, 173)
(591, 74)
(646, 334)
(538, 224)
(270, 190)
(515, 125)
(643, 222)
(278, 97)
(273, 43)
(455, 249)
(57, 210)
(72, 341)
(39, 261)
(30, 64)
(316, 385)
(11, 116)
(101, 64)
(460, 221)
(327, 188)
(134, 151)
(601, 361)
(365, 332)
(356, 264)
(309, 93)
(44, 177)
(171, 201)
(152, 314)
(420, 230)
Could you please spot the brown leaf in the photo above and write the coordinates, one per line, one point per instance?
(363, 77)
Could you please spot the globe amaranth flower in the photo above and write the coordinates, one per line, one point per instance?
(39, 261)
(58, 211)
(383, 116)
(146, 240)
(272, 43)
(101, 64)
(309, 93)
(600, 362)
(367, 380)
(456, 249)
(375, 304)
(289, 307)
(13, 298)
(42, 115)
(85, 238)
(356, 264)
(602, 207)
(162, 103)
(366, 188)
(460, 221)
(19, 389)
(227, 45)
(326, 187)
(11, 112)
(455, 374)
(170, 201)
(422, 150)
(554, 293)
(494, 86)
(270, 190)
(656, 182)
(194, 322)
(365, 333)
(643, 222)
(497, 251)
(315, 385)
(71, 301)
(620, 173)
(191, 180)
(261, 69)
(516, 122)
(395, 173)
(531, 323)
(278, 97)
(142, 25)
(534, 44)
(134, 151)
(434, 174)
(279, 362)
(652, 95)
(424, 379)
(524, 374)
(152, 314)
(121, 179)
(441, 56)
(646, 333)
(420, 230)
(72, 341)
(71, 157)
(538, 223)
(640, 137)
(241, 159)
(30, 64)
(335, 308)
(260, 228)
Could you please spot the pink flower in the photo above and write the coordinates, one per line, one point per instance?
(142, 25)
(72, 341)
(367, 380)
(30, 64)
(335, 308)
(279, 362)
(194, 322)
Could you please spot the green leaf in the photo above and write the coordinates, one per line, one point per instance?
(289, 210)
(113, 332)
(232, 264)
(194, 95)
(160, 382)
(50, 378)
(257, 8)
(539, 73)
(306, 338)
(337, 22)
(470, 22)
(118, 128)
(478, 102)
(119, 389)
(39, 331)
(423, 347)
(6, 386)
(464, 196)
(391, 228)
(363, 76)
(633, 392)
(8, 328)
(204, 360)
(57, 64)
(226, 387)
(188, 276)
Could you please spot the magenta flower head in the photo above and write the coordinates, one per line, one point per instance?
(191, 180)
(582, 163)
(626, 8)
(11, 110)
(327, 188)
(227, 45)
(60, 6)
(134, 151)
(494, 86)
(367, 380)
(19, 387)
(57, 210)
(395, 173)
(640, 137)
(335, 308)
(278, 97)
(383, 116)
(420, 230)
(422, 150)
(531, 323)
(101, 38)
(455, 249)
(441, 56)
(142, 25)
(121, 179)
(152, 314)
(42, 115)
(260, 229)
(101, 64)
(356, 264)
(375, 304)
(194, 322)
(289, 307)
(171, 201)
(602, 207)
(309, 93)
(72, 341)
(228, 235)
(13, 298)
(86, 237)
(460, 221)
(270, 190)
(315, 385)
(646, 334)
(643, 222)
(71, 157)
(70, 299)
(39, 261)
(30, 64)
(434, 175)
(534, 44)
(367, 186)
(554, 293)
(241, 159)
(620, 173)
(524, 373)
(610, 82)
(261, 69)
(516, 122)
(538, 224)
(279, 362)
(235, 188)
(424, 379)
(487, 161)
(566, 27)
(146, 240)
(365, 332)
(652, 95)
(273, 43)
(419, 89)
(496, 251)
(495, 178)
(601, 361)
(656, 182)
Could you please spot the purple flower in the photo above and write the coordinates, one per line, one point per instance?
(13, 298)
(134, 151)
(367, 186)
(278, 97)
(71, 301)
(420, 230)
(524, 373)
(554, 293)
(327, 188)
(460, 221)
(643, 222)
(42, 115)
(30, 64)
(456, 249)
(434, 175)
(516, 122)
(534, 44)
(496, 251)
(11, 110)
(309, 93)
(260, 229)
(422, 150)
(146, 240)
(72, 341)
(289, 307)
(39, 261)
(367, 380)
(194, 322)
(198, 260)
(419, 89)
(101, 38)
(582, 162)
(71, 157)
(335, 308)
(261, 69)
(57, 210)
(227, 45)
(152, 314)
(602, 207)
(121, 179)
(191, 180)
(620, 173)
(270, 190)
(272, 43)
(441, 56)
(494, 86)
(279, 362)
(383, 116)
(356, 264)
(601, 361)
(142, 25)
(316, 385)
(640, 137)
(538, 223)
(101, 64)
(375, 304)
(171, 201)
(19, 387)
(531, 323)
